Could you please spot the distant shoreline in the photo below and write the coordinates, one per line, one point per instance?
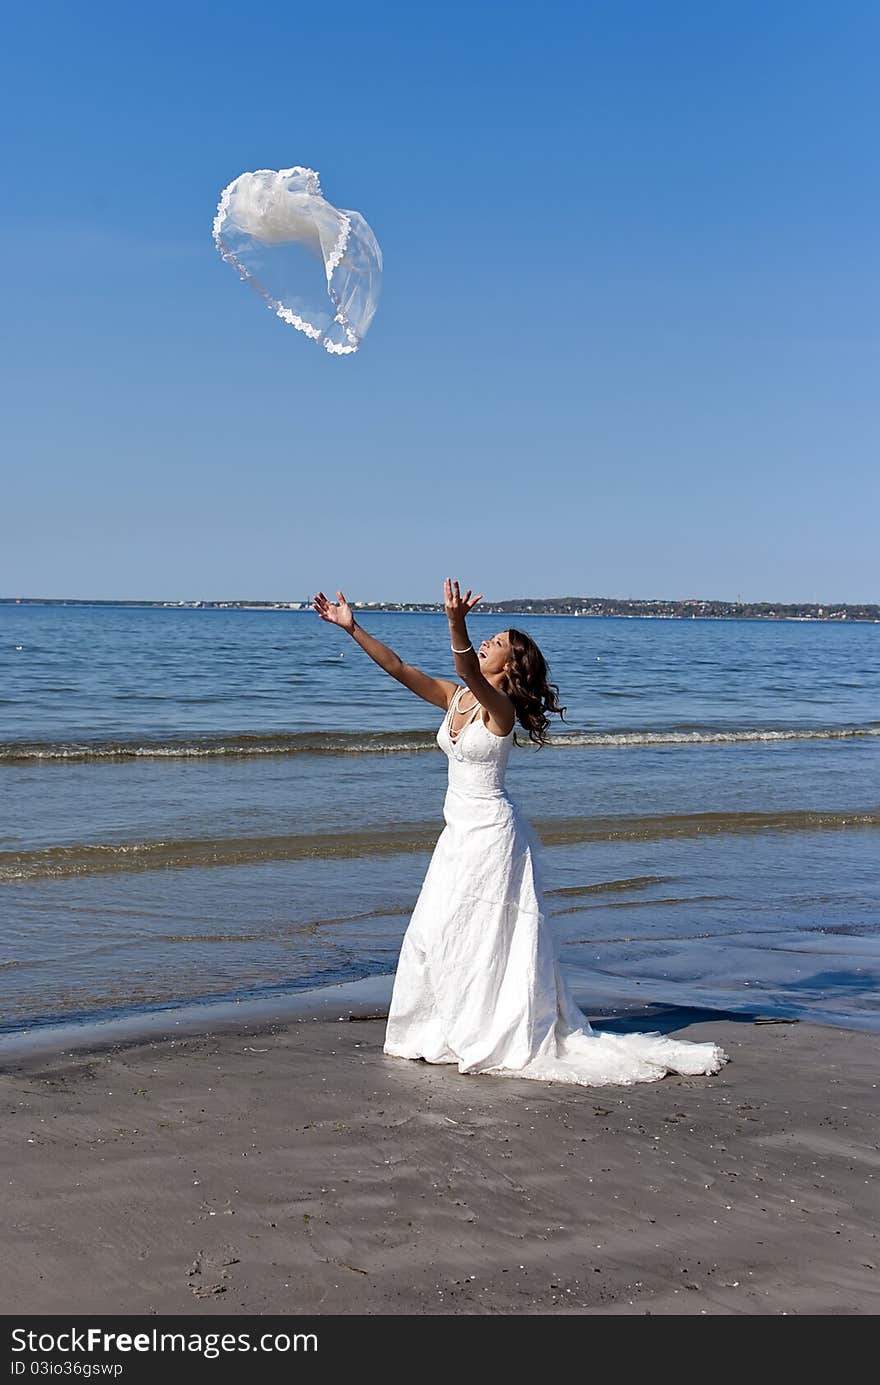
(584, 607)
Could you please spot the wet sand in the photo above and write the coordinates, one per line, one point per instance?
(294, 1168)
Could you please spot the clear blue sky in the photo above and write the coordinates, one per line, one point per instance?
(627, 343)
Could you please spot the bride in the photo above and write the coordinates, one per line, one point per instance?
(478, 980)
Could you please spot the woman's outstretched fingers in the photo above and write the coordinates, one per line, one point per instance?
(454, 598)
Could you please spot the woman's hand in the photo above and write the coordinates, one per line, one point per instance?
(337, 613)
(458, 607)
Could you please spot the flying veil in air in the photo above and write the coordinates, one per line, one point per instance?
(317, 267)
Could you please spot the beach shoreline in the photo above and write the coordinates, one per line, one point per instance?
(292, 1167)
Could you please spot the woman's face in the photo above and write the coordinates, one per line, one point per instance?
(493, 653)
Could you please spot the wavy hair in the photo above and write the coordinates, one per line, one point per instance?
(526, 682)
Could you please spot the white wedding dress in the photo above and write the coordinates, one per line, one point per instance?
(478, 981)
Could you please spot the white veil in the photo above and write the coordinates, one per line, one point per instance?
(319, 268)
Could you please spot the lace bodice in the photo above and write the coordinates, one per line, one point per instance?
(477, 757)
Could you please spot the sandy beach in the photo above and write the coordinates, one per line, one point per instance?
(294, 1168)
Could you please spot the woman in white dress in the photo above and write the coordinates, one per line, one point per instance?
(478, 981)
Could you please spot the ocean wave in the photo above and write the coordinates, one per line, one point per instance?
(198, 747)
(335, 743)
(747, 736)
(95, 858)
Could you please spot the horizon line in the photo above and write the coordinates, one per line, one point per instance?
(288, 603)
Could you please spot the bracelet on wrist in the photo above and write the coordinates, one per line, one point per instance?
(461, 651)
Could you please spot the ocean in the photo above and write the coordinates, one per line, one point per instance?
(201, 804)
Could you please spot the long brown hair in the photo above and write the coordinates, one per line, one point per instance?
(526, 682)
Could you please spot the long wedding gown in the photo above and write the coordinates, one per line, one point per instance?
(478, 981)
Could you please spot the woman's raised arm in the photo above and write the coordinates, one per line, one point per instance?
(437, 691)
(467, 662)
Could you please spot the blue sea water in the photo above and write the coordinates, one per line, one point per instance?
(198, 803)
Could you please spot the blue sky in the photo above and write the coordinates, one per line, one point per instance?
(627, 341)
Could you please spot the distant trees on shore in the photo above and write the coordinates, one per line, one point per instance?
(533, 605)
